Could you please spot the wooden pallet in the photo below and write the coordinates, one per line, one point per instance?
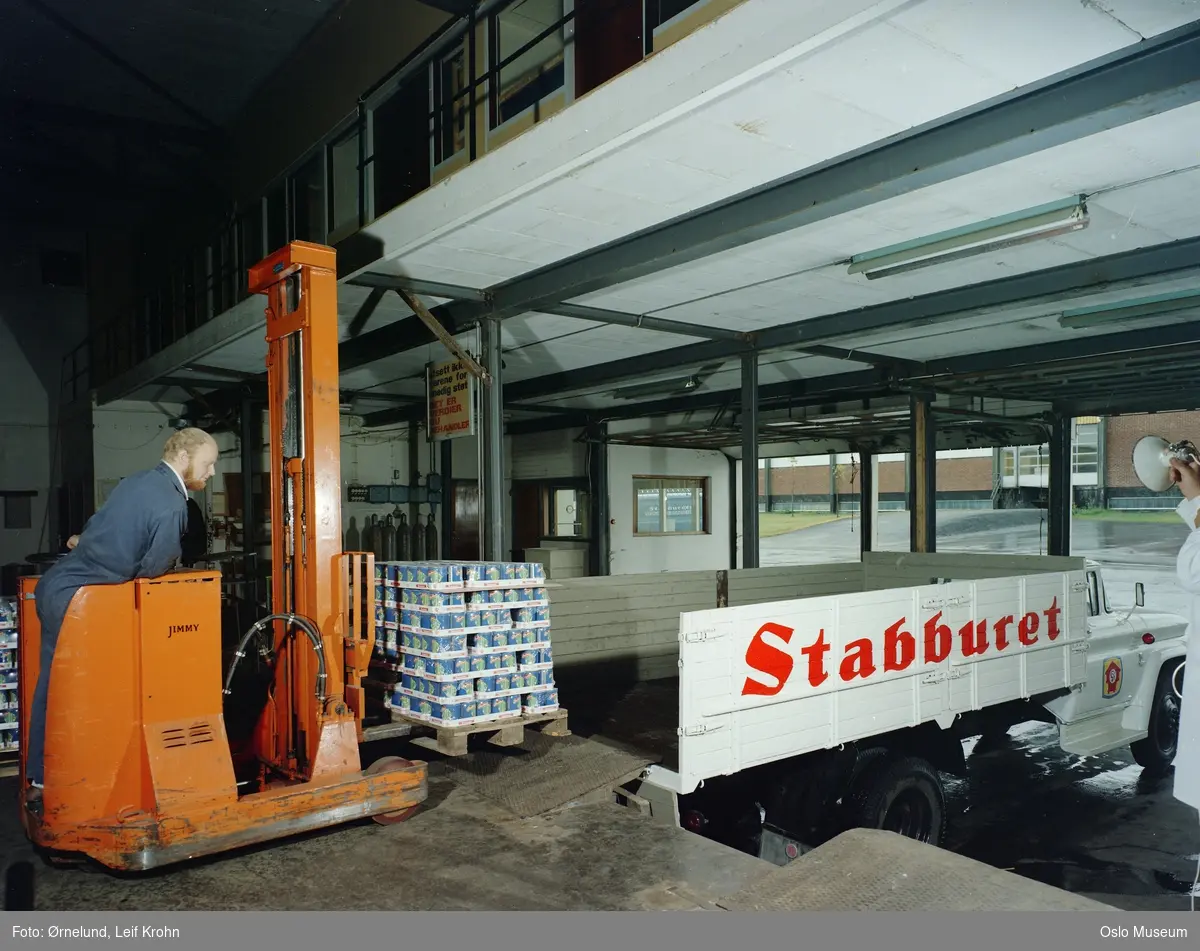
(453, 740)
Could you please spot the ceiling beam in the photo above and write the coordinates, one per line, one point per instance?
(1126, 269)
(661, 324)
(1149, 78)
(1089, 349)
(453, 310)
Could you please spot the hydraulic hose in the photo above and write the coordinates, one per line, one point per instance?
(307, 626)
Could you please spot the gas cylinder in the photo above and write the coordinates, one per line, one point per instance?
(417, 553)
(431, 539)
(377, 537)
(387, 540)
(368, 531)
(403, 540)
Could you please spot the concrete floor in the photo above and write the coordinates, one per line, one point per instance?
(461, 852)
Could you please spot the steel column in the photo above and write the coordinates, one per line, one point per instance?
(749, 420)
(868, 500)
(446, 471)
(251, 446)
(733, 513)
(1058, 512)
(492, 477)
(602, 538)
(922, 463)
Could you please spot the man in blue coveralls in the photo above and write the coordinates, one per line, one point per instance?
(137, 533)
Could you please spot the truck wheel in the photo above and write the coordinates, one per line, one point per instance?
(902, 795)
(1156, 752)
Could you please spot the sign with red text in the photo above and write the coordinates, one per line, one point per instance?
(451, 393)
(763, 682)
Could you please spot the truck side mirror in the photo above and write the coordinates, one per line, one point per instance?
(1139, 591)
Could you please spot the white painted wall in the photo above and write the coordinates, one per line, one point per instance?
(636, 555)
(128, 437)
(24, 442)
(39, 324)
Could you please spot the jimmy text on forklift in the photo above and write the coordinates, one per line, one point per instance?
(137, 533)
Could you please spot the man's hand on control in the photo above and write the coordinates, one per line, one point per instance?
(72, 542)
(1186, 475)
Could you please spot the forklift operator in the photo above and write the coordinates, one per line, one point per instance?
(137, 533)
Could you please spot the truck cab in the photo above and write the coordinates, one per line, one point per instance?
(1127, 696)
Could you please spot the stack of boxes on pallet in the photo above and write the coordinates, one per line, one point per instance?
(470, 640)
(8, 675)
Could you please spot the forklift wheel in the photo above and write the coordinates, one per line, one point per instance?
(385, 765)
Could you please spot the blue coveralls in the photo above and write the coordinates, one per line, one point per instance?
(136, 534)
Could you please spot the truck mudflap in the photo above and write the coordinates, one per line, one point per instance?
(779, 848)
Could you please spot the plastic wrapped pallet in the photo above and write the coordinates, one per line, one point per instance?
(8, 676)
(471, 639)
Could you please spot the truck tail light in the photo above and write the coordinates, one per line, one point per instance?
(1147, 638)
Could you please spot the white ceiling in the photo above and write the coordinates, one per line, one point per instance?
(916, 63)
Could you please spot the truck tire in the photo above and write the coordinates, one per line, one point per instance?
(901, 794)
(1156, 752)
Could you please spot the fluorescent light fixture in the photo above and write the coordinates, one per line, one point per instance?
(677, 385)
(1008, 231)
(1084, 317)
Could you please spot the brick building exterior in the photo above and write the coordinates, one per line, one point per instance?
(1102, 471)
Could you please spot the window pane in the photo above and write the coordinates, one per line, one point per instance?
(451, 103)
(538, 71)
(569, 514)
(308, 195)
(343, 160)
(649, 506)
(277, 230)
(682, 509)
(400, 133)
(670, 506)
(660, 11)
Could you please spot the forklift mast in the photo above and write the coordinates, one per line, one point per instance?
(315, 688)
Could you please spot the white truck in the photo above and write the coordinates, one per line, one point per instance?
(801, 718)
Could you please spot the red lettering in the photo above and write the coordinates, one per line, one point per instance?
(769, 660)
(858, 661)
(899, 647)
(1002, 633)
(815, 653)
(1027, 629)
(937, 640)
(974, 638)
(1052, 614)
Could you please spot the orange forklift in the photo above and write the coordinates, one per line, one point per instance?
(139, 770)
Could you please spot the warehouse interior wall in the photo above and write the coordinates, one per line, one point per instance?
(43, 312)
(632, 553)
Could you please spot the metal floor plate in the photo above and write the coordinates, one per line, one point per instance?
(544, 773)
(871, 870)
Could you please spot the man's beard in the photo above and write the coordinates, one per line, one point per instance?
(191, 479)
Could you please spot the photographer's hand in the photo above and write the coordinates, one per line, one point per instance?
(1186, 475)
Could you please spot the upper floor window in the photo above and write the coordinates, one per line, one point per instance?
(528, 55)
(451, 104)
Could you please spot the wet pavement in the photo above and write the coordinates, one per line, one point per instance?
(1096, 826)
